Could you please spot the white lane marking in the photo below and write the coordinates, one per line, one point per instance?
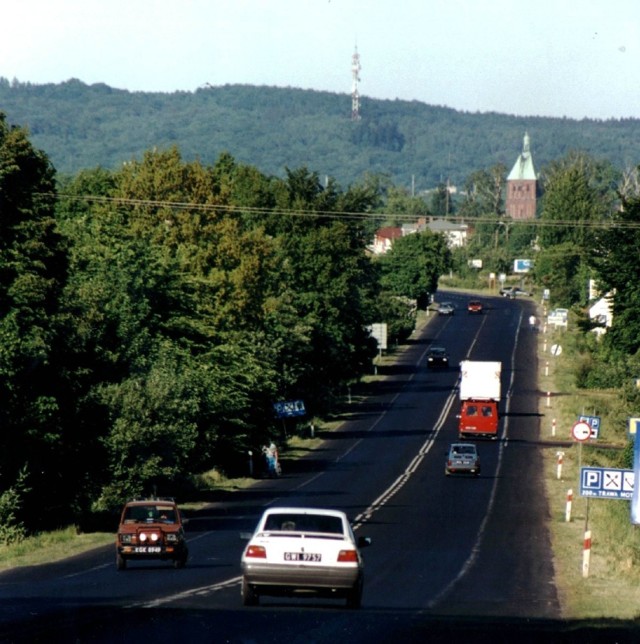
(192, 592)
(504, 442)
(379, 503)
(87, 571)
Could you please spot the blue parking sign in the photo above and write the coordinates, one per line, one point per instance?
(593, 422)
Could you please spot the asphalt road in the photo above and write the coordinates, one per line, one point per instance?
(453, 559)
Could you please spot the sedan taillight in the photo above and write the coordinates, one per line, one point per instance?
(348, 556)
(258, 552)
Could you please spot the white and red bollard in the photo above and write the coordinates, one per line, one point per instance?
(560, 456)
(567, 512)
(553, 427)
(548, 399)
(586, 553)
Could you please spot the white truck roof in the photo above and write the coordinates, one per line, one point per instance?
(480, 380)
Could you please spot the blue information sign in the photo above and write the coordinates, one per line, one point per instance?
(635, 500)
(289, 408)
(606, 483)
(593, 422)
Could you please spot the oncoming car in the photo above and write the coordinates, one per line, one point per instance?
(474, 306)
(446, 308)
(462, 458)
(303, 551)
(151, 529)
(513, 292)
(437, 357)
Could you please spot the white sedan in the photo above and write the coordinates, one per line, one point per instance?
(302, 551)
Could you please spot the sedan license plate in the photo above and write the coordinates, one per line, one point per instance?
(148, 549)
(302, 556)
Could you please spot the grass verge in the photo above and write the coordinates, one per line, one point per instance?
(610, 586)
(51, 546)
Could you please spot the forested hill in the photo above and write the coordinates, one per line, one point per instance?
(84, 126)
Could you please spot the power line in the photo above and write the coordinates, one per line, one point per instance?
(333, 214)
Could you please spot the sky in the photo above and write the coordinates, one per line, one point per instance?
(557, 58)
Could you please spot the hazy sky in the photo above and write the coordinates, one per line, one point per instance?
(537, 57)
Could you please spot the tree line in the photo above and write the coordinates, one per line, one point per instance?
(152, 316)
(84, 126)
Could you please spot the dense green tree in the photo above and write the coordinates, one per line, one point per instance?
(483, 193)
(32, 273)
(615, 252)
(441, 203)
(413, 265)
(400, 206)
(578, 197)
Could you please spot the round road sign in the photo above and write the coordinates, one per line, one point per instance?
(581, 431)
(556, 349)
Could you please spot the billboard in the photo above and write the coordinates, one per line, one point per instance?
(522, 265)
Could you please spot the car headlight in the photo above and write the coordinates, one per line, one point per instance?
(126, 538)
(172, 537)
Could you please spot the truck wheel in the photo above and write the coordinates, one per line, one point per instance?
(121, 562)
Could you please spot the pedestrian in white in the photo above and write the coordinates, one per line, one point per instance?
(532, 322)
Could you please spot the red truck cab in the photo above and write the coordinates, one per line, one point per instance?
(478, 419)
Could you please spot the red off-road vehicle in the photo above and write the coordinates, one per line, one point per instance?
(151, 529)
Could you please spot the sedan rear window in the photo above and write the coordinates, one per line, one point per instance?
(303, 523)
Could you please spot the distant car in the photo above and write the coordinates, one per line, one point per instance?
(446, 308)
(437, 357)
(513, 291)
(151, 529)
(303, 551)
(462, 458)
(474, 306)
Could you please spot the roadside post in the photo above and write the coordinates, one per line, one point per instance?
(567, 512)
(586, 553)
(560, 456)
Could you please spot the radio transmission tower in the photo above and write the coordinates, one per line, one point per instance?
(355, 79)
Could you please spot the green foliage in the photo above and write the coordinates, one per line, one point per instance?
(483, 193)
(399, 313)
(32, 273)
(12, 528)
(83, 126)
(149, 327)
(578, 197)
(617, 266)
(413, 265)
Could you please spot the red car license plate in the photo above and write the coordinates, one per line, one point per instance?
(148, 549)
(302, 556)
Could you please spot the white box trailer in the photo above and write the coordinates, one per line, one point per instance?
(480, 380)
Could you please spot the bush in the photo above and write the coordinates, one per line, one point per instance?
(12, 530)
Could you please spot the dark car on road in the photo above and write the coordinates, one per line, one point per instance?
(513, 292)
(437, 357)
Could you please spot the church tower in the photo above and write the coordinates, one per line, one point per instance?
(521, 186)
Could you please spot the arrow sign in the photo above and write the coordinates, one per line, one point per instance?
(581, 431)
